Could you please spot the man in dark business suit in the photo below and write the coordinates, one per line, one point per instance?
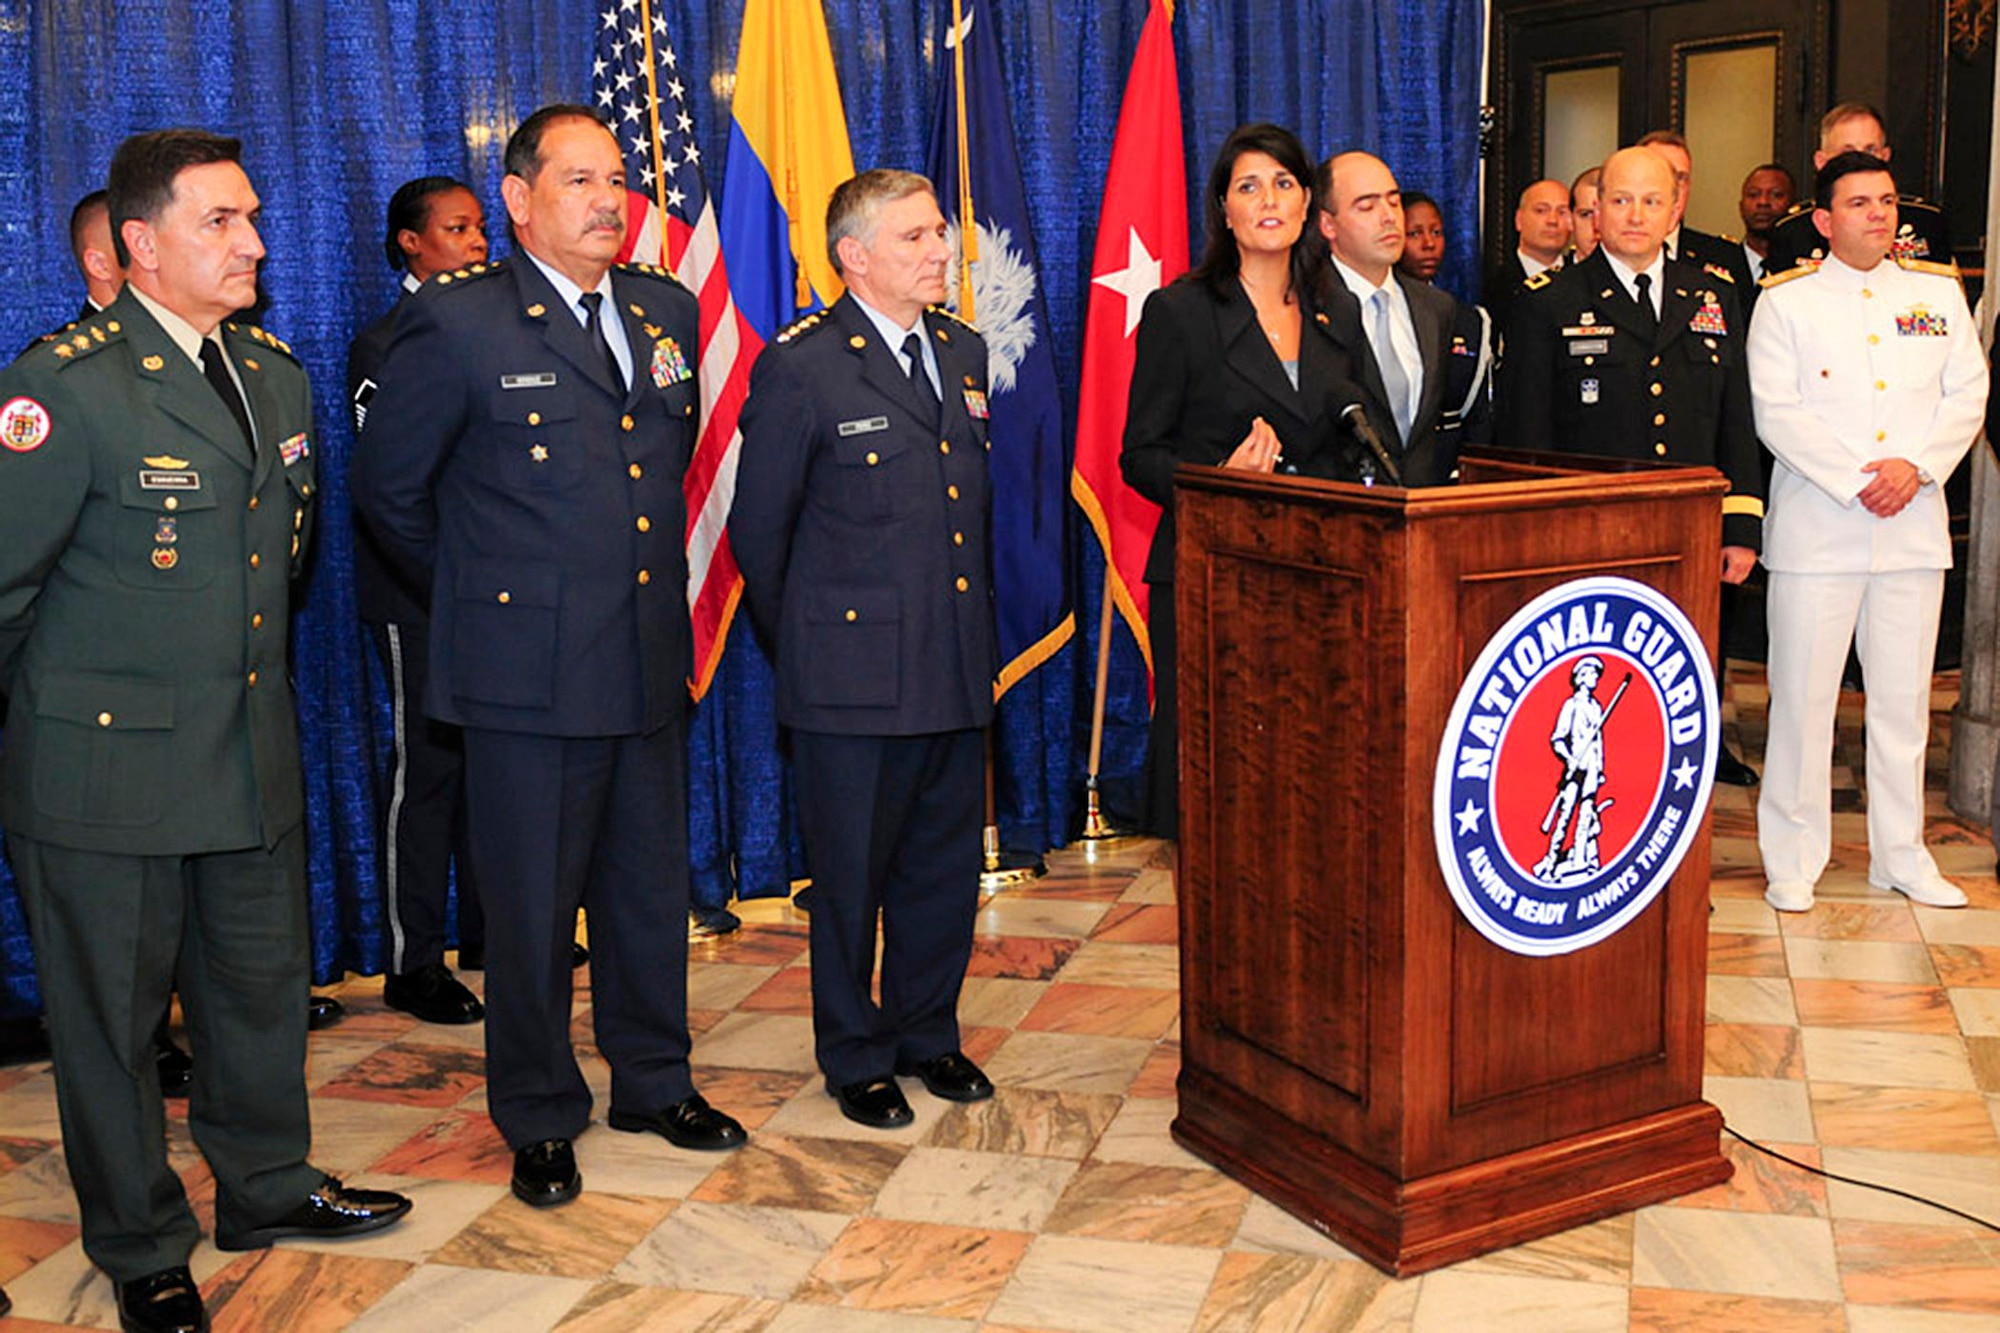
(860, 524)
(1401, 333)
(524, 458)
(156, 483)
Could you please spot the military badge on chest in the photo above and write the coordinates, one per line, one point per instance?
(669, 366)
(1709, 318)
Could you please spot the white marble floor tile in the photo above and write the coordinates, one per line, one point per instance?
(1771, 1110)
(748, 1251)
(437, 1298)
(1453, 1302)
(1706, 1249)
(1886, 1059)
(1105, 1286)
(992, 1191)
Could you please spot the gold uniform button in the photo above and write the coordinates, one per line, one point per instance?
(1659, 418)
(636, 471)
(958, 539)
(503, 597)
(645, 577)
(534, 418)
(944, 446)
(1879, 386)
(852, 615)
(1881, 435)
(871, 458)
(172, 502)
(1654, 362)
(1874, 338)
(644, 524)
(104, 719)
(1867, 295)
(952, 491)
(1660, 449)
(257, 620)
(253, 504)
(962, 584)
(1590, 360)
(625, 422)
(252, 680)
(256, 561)
(1657, 390)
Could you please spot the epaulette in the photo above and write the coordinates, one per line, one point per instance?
(467, 274)
(953, 316)
(1733, 240)
(1946, 270)
(1720, 272)
(80, 339)
(651, 271)
(1802, 206)
(1907, 200)
(1776, 279)
(798, 328)
(1539, 281)
(270, 340)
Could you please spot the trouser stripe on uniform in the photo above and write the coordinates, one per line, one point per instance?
(398, 776)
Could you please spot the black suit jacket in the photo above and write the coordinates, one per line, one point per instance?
(540, 504)
(1503, 284)
(1582, 376)
(861, 526)
(381, 593)
(1430, 454)
(1203, 370)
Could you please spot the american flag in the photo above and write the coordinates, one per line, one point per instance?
(640, 90)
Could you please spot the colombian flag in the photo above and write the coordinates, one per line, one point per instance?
(787, 151)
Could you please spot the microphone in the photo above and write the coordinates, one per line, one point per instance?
(1357, 421)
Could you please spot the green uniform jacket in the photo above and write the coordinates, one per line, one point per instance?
(145, 568)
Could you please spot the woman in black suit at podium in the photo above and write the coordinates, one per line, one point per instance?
(1234, 368)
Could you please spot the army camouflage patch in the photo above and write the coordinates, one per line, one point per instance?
(24, 425)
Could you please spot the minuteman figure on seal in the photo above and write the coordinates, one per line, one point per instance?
(1578, 741)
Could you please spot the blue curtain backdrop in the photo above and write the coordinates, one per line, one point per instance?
(338, 103)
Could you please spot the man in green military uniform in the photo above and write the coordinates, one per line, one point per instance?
(156, 478)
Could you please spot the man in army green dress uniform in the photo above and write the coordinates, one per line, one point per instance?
(156, 479)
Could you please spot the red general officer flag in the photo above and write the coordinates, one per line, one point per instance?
(1142, 244)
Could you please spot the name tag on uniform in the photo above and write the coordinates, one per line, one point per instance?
(863, 426)
(1589, 346)
(540, 379)
(169, 481)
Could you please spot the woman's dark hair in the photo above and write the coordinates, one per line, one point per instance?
(1413, 198)
(1219, 258)
(410, 210)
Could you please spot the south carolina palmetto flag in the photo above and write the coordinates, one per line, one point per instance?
(637, 85)
(1142, 244)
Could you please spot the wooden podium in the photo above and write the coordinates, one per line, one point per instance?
(1352, 1048)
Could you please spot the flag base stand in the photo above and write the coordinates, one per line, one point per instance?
(1004, 870)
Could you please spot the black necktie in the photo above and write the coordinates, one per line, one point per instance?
(593, 305)
(216, 372)
(1649, 319)
(913, 348)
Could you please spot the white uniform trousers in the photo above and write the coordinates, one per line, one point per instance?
(1893, 621)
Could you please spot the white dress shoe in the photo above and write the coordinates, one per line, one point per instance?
(1931, 890)
(1789, 895)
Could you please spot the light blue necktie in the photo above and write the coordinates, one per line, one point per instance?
(1395, 378)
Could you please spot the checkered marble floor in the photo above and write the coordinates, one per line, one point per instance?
(1864, 1037)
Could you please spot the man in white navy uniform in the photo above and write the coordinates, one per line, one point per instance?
(1869, 386)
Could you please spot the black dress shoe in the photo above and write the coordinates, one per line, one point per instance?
(176, 1066)
(472, 958)
(578, 955)
(877, 1103)
(323, 1011)
(433, 994)
(329, 1212)
(706, 923)
(1731, 771)
(545, 1174)
(950, 1076)
(164, 1302)
(686, 1124)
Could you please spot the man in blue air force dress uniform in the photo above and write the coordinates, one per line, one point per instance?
(860, 524)
(524, 456)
